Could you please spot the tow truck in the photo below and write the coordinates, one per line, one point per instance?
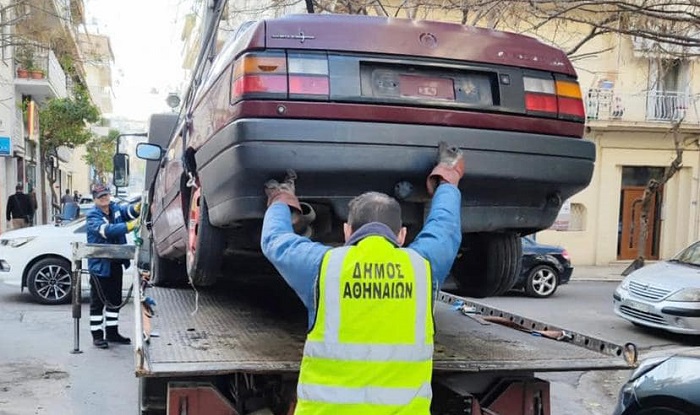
(236, 349)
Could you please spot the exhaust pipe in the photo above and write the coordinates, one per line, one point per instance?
(302, 222)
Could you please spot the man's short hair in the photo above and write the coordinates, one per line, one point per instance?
(19, 187)
(374, 207)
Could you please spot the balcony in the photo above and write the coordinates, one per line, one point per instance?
(610, 108)
(38, 73)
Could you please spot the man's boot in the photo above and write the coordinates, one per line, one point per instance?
(98, 339)
(113, 336)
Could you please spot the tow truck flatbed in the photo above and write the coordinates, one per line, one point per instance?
(228, 331)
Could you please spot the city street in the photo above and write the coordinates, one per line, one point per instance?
(39, 375)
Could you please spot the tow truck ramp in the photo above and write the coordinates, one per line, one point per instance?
(213, 332)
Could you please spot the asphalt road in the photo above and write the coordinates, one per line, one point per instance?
(39, 375)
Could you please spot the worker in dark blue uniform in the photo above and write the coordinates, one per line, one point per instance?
(108, 223)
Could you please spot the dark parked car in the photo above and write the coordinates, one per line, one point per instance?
(544, 268)
(360, 103)
(663, 386)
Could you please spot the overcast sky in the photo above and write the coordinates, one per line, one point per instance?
(147, 51)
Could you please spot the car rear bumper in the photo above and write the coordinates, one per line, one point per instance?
(673, 316)
(512, 181)
(565, 275)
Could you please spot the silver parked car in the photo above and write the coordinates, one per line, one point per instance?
(665, 295)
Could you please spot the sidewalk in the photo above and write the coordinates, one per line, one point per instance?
(611, 272)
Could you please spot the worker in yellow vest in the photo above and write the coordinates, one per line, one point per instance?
(370, 343)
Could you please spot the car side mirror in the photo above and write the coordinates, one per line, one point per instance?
(121, 170)
(148, 151)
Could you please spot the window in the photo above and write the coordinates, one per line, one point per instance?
(668, 94)
(577, 219)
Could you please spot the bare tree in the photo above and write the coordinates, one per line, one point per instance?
(668, 27)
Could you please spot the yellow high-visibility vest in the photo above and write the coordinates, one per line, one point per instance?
(371, 347)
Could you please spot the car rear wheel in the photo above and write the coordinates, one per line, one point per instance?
(49, 281)
(542, 281)
(206, 243)
(488, 264)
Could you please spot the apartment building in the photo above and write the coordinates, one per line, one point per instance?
(32, 74)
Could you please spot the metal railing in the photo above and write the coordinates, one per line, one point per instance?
(648, 106)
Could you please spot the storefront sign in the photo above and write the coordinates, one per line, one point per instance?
(5, 147)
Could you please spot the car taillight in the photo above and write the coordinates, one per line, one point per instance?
(260, 75)
(560, 98)
(566, 256)
(570, 100)
(308, 75)
(276, 75)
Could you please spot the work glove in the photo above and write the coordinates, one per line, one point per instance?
(449, 168)
(283, 192)
(137, 208)
(130, 225)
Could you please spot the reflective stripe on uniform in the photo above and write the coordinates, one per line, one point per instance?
(111, 314)
(370, 395)
(102, 230)
(332, 300)
(418, 264)
(367, 352)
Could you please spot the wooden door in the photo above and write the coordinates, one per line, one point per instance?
(631, 212)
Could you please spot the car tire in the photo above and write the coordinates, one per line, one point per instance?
(49, 281)
(488, 264)
(542, 281)
(206, 243)
(165, 272)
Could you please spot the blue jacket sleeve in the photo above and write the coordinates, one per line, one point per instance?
(97, 225)
(296, 258)
(441, 236)
(128, 212)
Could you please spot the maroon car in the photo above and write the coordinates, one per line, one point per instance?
(358, 103)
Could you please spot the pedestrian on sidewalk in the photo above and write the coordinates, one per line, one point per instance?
(19, 211)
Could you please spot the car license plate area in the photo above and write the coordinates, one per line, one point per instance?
(645, 308)
(429, 86)
(423, 87)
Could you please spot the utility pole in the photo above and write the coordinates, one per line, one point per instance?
(309, 6)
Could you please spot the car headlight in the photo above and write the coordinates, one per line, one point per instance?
(691, 295)
(16, 242)
(622, 288)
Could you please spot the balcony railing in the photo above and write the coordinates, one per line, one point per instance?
(45, 65)
(651, 107)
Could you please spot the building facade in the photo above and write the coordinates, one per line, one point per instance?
(32, 74)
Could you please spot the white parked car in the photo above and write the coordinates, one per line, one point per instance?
(40, 259)
(665, 295)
